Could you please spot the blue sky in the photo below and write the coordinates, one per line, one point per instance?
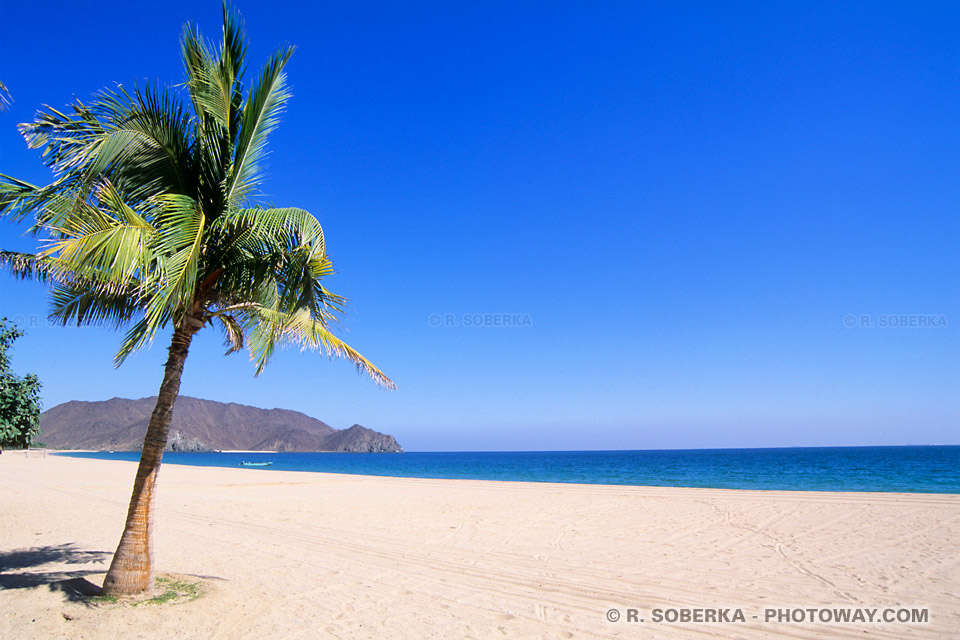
(679, 207)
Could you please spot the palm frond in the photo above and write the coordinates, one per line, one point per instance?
(5, 98)
(215, 89)
(110, 240)
(282, 248)
(138, 336)
(179, 242)
(233, 333)
(259, 231)
(199, 66)
(140, 142)
(27, 266)
(72, 302)
(15, 197)
(268, 329)
(261, 115)
(233, 58)
(234, 51)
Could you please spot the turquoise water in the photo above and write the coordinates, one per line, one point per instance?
(907, 469)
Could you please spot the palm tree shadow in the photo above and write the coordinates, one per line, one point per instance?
(50, 566)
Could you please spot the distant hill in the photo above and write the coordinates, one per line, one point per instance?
(202, 425)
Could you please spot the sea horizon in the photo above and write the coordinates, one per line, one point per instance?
(883, 468)
(839, 446)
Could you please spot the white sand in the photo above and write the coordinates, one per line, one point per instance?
(297, 555)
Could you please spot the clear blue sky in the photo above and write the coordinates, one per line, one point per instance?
(681, 204)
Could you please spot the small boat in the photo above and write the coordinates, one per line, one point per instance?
(255, 464)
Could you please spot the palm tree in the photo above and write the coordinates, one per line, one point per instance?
(152, 222)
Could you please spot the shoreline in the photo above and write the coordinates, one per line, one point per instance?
(286, 554)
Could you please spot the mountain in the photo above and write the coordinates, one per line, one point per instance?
(202, 425)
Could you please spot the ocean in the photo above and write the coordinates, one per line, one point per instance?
(914, 469)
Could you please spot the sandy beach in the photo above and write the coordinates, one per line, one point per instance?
(298, 555)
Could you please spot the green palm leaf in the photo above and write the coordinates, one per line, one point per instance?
(261, 115)
(269, 329)
(75, 303)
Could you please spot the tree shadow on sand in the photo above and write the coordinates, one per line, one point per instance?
(39, 566)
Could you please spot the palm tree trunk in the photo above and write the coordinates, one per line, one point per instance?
(131, 571)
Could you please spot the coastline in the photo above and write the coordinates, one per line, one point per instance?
(287, 554)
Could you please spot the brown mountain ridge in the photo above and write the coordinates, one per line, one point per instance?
(119, 424)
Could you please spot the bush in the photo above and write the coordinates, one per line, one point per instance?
(19, 397)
